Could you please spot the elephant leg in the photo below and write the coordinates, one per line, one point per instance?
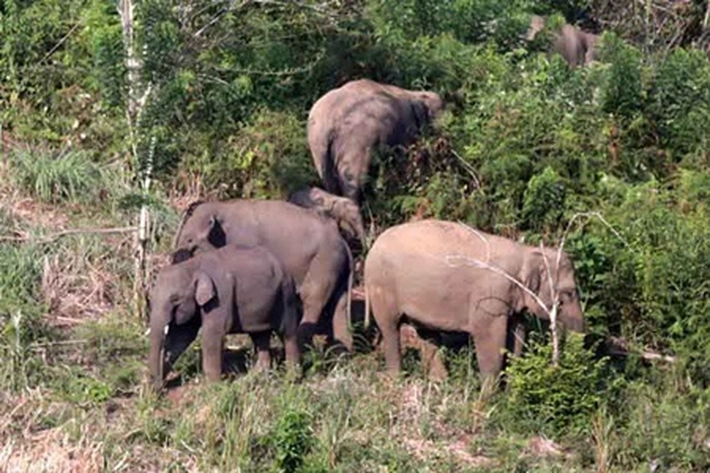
(341, 331)
(387, 316)
(352, 170)
(431, 360)
(490, 341)
(293, 352)
(315, 292)
(212, 348)
(262, 344)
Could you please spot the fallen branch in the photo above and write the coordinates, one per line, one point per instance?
(76, 231)
(618, 347)
(646, 355)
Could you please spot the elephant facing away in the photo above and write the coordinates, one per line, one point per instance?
(447, 277)
(577, 47)
(347, 124)
(308, 246)
(344, 211)
(233, 289)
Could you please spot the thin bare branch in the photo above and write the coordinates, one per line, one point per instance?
(76, 231)
(61, 41)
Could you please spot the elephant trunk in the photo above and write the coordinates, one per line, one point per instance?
(361, 235)
(157, 354)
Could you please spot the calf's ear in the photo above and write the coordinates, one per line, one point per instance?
(204, 289)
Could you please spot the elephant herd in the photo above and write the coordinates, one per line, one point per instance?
(260, 267)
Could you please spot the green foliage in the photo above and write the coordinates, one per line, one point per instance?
(525, 144)
(61, 176)
(665, 263)
(679, 99)
(292, 439)
(267, 158)
(664, 419)
(622, 91)
(543, 200)
(556, 399)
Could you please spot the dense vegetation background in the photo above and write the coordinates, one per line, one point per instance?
(615, 157)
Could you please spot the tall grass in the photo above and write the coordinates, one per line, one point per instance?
(53, 177)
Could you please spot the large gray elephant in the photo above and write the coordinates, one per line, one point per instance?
(577, 47)
(233, 289)
(347, 124)
(343, 210)
(309, 247)
(448, 277)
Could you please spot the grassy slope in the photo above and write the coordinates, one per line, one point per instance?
(73, 397)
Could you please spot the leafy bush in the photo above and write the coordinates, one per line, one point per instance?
(292, 439)
(268, 158)
(556, 399)
(679, 99)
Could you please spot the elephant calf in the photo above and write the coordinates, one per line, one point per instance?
(447, 277)
(233, 289)
(344, 211)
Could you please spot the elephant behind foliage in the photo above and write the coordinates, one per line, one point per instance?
(347, 124)
(577, 47)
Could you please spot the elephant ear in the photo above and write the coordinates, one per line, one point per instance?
(536, 272)
(204, 289)
(213, 232)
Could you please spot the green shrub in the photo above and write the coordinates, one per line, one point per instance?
(556, 399)
(662, 420)
(679, 102)
(292, 438)
(622, 91)
(269, 158)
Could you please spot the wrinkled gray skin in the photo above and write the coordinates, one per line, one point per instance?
(308, 246)
(347, 124)
(233, 289)
(344, 211)
(576, 46)
(424, 273)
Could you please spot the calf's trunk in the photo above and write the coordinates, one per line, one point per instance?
(157, 354)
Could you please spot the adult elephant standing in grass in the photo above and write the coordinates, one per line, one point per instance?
(309, 247)
(447, 277)
(347, 124)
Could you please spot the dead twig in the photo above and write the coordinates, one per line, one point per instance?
(76, 231)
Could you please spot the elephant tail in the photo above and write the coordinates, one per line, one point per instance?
(351, 271)
(367, 308)
(291, 315)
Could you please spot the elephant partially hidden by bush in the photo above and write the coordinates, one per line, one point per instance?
(447, 277)
(309, 247)
(343, 210)
(233, 289)
(577, 47)
(347, 124)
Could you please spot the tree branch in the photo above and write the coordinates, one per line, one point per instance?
(76, 231)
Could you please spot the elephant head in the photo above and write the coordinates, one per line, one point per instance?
(431, 105)
(179, 292)
(553, 282)
(344, 211)
(347, 214)
(198, 231)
